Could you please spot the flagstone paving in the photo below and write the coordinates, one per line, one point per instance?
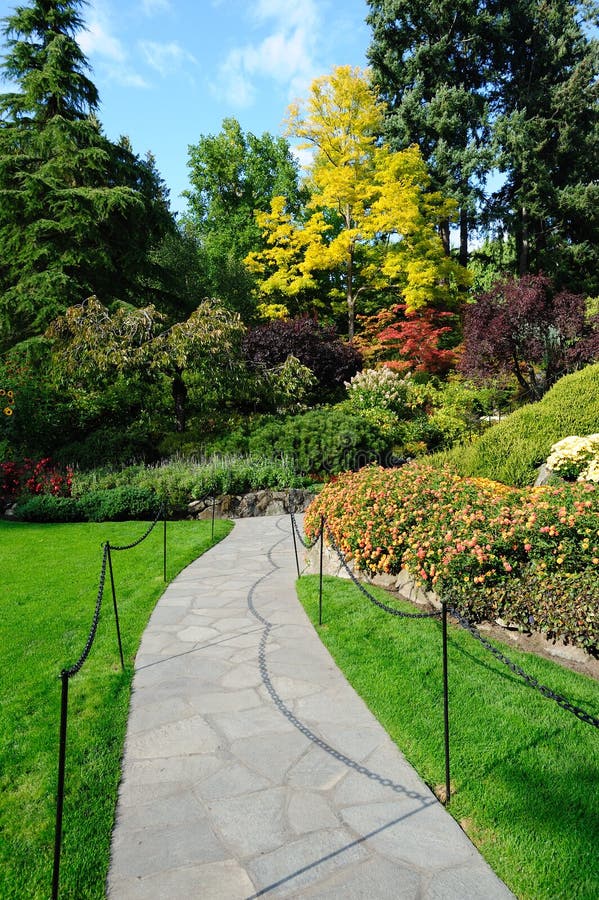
(251, 767)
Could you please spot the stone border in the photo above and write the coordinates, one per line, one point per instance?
(267, 502)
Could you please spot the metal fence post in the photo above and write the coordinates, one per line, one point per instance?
(62, 749)
(164, 548)
(446, 705)
(320, 571)
(213, 514)
(297, 565)
(114, 603)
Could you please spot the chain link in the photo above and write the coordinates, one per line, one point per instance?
(530, 681)
(389, 609)
(159, 515)
(94, 626)
(307, 544)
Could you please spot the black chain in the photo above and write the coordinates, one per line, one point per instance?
(368, 595)
(307, 544)
(159, 515)
(92, 633)
(530, 681)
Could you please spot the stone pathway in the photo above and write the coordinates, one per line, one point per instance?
(253, 769)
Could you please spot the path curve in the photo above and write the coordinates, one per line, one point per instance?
(252, 768)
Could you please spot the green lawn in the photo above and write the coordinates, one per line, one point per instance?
(524, 772)
(50, 576)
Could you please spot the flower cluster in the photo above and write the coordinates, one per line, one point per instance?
(576, 457)
(449, 531)
(7, 398)
(30, 477)
(378, 389)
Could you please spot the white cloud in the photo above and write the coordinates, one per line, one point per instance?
(286, 55)
(165, 58)
(100, 44)
(97, 41)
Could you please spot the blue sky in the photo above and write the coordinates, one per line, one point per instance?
(169, 71)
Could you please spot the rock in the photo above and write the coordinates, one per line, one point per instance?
(266, 502)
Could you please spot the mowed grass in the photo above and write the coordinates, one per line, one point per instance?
(50, 577)
(524, 772)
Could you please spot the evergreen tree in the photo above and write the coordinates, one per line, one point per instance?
(480, 84)
(547, 137)
(78, 213)
(431, 64)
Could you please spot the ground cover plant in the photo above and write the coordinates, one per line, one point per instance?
(529, 555)
(523, 770)
(50, 584)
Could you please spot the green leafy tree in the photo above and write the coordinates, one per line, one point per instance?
(370, 223)
(547, 137)
(92, 345)
(231, 175)
(78, 213)
(431, 64)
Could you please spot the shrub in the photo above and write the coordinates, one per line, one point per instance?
(574, 457)
(33, 478)
(176, 482)
(512, 450)
(118, 504)
(316, 346)
(48, 508)
(378, 389)
(465, 536)
(326, 440)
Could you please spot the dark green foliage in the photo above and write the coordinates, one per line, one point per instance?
(110, 505)
(509, 87)
(324, 441)
(118, 504)
(560, 607)
(431, 62)
(48, 508)
(512, 450)
(78, 214)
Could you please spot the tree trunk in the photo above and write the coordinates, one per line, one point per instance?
(463, 237)
(523, 256)
(444, 232)
(180, 402)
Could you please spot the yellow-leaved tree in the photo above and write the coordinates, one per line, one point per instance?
(371, 222)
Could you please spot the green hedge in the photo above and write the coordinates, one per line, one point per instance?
(110, 505)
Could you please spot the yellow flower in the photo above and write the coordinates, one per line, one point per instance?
(10, 393)
(7, 411)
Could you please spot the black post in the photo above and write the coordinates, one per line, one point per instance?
(320, 571)
(116, 610)
(164, 548)
(213, 514)
(62, 750)
(446, 706)
(294, 542)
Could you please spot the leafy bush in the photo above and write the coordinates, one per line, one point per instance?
(378, 388)
(107, 505)
(48, 508)
(316, 346)
(464, 536)
(28, 477)
(118, 504)
(323, 441)
(512, 450)
(179, 481)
